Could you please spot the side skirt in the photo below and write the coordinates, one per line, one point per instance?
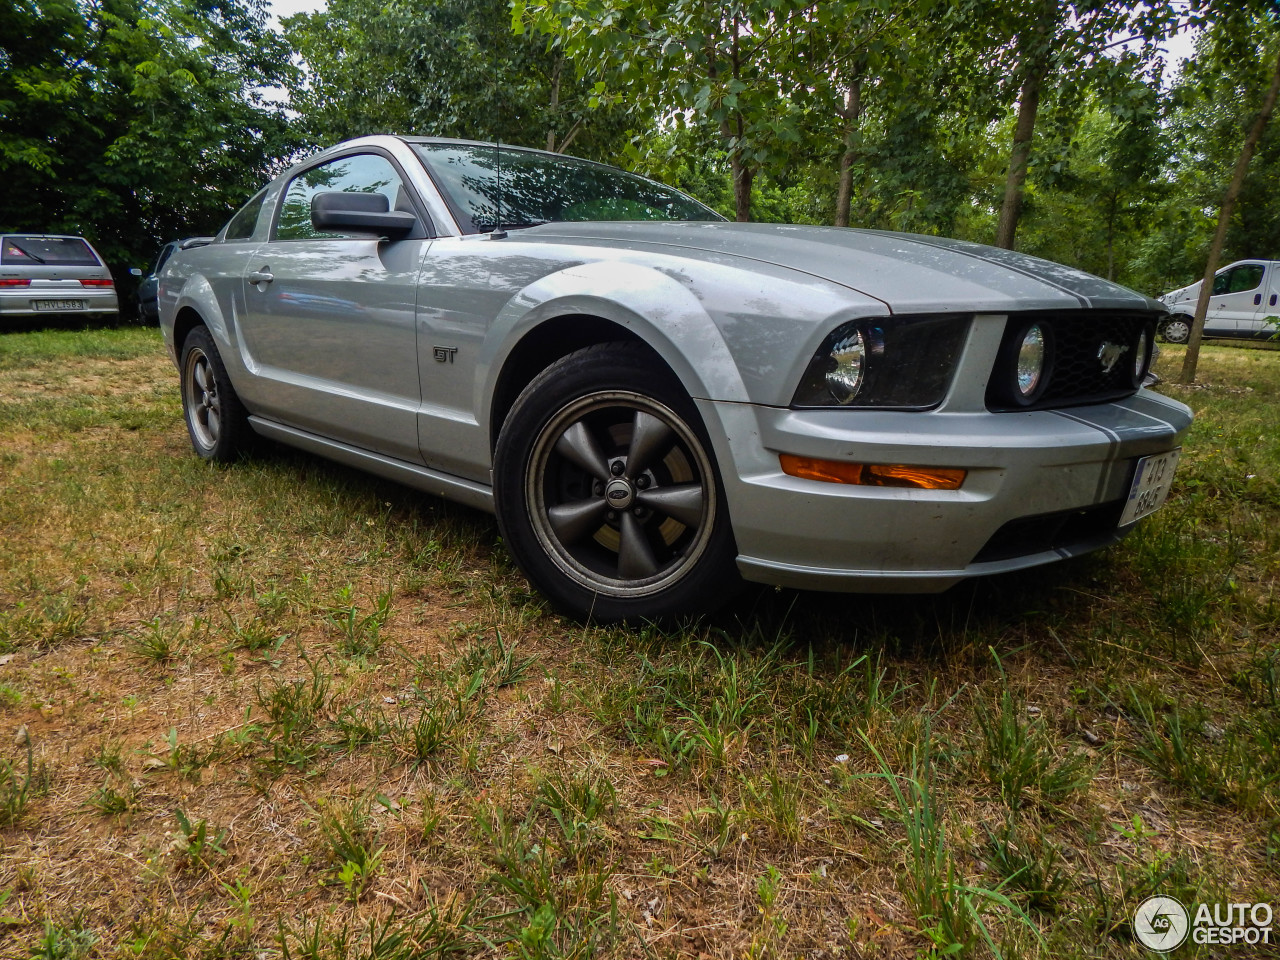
(410, 474)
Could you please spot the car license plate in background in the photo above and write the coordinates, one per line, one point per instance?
(57, 304)
(1150, 487)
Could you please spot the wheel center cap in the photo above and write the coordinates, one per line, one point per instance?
(618, 493)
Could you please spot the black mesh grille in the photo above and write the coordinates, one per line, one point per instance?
(1074, 531)
(1080, 342)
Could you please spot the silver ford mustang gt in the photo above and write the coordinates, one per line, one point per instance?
(657, 403)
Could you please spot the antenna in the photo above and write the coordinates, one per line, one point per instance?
(497, 233)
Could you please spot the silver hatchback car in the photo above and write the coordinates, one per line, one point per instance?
(657, 403)
(43, 274)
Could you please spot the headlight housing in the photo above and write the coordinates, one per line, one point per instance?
(903, 363)
(1142, 355)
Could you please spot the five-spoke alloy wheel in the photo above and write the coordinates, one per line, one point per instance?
(607, 492)
(216, 420)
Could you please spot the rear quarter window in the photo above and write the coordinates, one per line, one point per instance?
(47, 252)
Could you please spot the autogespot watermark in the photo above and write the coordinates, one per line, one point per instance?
(1163, 924)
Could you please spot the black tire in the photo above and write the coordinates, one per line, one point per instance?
(607, 491)
(1177, 329)
(217, 421)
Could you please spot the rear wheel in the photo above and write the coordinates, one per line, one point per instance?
(216, 419)
(607, 492)
(1176, 329)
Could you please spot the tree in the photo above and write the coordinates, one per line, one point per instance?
(728, 65)
(1055, 46)
(135, 121)
(443, 68)
(1239, 41)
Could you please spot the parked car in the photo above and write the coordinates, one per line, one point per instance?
(52, 274)
(1244, 296)
(657, 402)
(147, 308)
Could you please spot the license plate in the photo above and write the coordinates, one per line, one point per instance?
(1151, 483)
(57, 304)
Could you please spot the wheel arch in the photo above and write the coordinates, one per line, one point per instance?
(600, 303)
(542, 346)
(186, 321)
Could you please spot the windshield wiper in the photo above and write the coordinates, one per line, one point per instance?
(495, 227)
(26, 253)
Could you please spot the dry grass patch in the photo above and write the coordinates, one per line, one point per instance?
(282, 709)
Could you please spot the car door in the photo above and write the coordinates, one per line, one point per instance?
(1235, 300)
(1268, 299)
(329, 317)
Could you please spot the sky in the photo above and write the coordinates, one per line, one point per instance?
(286, 8)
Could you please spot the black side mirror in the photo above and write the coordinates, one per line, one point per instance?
(338, 212)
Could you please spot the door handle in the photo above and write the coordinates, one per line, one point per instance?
(1257, 299)
(260, 276)
(1272, 302)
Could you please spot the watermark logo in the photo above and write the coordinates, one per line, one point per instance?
(1160, 924)
(1163, 924)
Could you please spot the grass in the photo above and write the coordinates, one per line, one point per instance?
(285, 710)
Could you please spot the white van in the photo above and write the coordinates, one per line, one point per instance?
(1245, 294)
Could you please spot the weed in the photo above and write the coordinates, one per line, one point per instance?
(157, 642)
(1030, 864)
(772, 926)
(1018, 756)
(15, 790)
(181, 758)
(193, 843)
(429, 734)
(360, 635)
(72, 941)
(951, 909)
(576, 802)
(256, 636)
(776, 801)
(348, 833)
(360, 724)
(110, 802)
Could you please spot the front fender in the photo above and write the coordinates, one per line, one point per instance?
(660, 309)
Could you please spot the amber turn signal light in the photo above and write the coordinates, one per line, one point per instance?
(873, 474)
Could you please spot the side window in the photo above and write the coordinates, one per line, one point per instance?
(242, 225)
(1238, 279)
(364, 173)
(165, 253)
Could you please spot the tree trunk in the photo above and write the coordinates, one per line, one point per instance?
(555, 103)
(742, 177)
(1192, 357)
(1028, 105)
(851, 113)
(1111, 237)
(742, 171)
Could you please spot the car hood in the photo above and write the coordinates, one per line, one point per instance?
(910, 273)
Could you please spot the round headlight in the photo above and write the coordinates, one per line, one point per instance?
(849, 354)
(1031, 357)
(1141, 351)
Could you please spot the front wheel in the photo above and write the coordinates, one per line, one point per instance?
(607, 492)
(1176, 329)
(216, 419)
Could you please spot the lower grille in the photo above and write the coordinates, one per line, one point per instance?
(1074, 531)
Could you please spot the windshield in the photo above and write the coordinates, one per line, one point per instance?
(541, 188)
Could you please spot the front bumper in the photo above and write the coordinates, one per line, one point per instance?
(1041, 486)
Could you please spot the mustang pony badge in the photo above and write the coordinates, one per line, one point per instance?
(1110, 353)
